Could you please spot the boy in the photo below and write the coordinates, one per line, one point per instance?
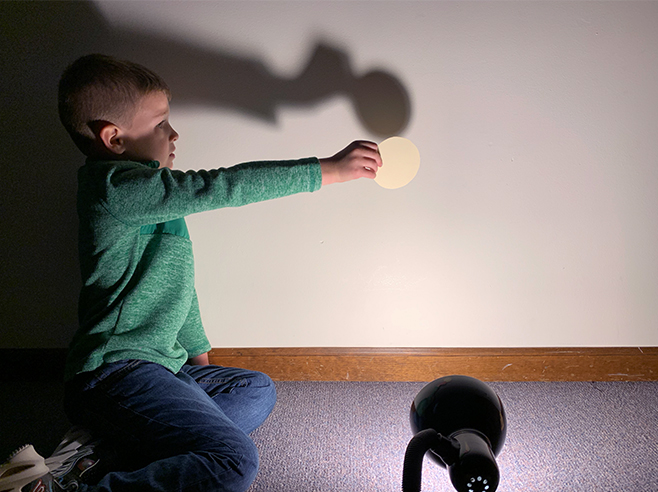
(137, 370)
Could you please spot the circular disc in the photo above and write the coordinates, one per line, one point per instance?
(400, 162)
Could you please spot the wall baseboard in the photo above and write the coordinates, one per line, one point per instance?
(427, 364)
(392, 364)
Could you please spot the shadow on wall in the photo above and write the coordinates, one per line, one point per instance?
(40, 279)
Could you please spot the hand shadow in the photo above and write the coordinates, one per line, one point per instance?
(38, 305)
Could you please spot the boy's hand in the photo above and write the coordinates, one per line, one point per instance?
(359, 159)
(199, 360)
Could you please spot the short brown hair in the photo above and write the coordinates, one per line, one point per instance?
(98, 88)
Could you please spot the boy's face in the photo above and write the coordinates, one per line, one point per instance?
(150, 137)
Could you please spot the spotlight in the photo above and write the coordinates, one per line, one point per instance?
(462, 422)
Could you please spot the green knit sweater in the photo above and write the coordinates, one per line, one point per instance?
(138, 299)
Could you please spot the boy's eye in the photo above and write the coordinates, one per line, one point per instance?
(161, 124)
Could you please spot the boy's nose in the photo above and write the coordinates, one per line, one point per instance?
(174, 135)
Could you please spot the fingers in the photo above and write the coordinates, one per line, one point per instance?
(360, 159)
(366, 155)
(365, 144)
(368, 172)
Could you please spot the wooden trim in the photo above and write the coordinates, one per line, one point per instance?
(427, 364)
(392, 364)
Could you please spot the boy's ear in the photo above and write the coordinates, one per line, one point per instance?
(110, 135)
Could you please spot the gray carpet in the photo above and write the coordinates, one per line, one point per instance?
(330, 437)
(562, 437)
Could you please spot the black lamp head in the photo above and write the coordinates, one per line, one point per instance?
(475, 468)
(462, 422)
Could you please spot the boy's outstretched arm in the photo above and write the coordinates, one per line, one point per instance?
(359, 159)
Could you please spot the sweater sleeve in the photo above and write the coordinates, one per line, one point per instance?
(138, 194)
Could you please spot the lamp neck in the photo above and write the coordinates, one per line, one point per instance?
(446, 449)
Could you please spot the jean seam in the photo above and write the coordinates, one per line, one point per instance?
(114, 376)
(242, 383)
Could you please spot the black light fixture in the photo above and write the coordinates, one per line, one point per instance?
(462, 422)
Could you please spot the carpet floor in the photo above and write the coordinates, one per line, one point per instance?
(351, 436)
(562, 437)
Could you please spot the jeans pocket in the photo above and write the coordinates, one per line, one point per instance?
(109, 374)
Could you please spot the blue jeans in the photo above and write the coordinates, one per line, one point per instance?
(173, 432)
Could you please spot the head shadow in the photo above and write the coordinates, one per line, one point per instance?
(202, 76)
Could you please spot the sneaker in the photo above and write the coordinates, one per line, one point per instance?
(25, 465)
(47, 483)
(77, 441)
(74, 460)
(71, 464)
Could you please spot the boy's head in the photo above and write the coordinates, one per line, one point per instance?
(109, 108)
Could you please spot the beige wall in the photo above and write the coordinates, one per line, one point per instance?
(533, 220)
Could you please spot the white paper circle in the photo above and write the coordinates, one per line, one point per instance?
(400, 162)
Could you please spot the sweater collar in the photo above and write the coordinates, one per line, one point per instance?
(151, 164)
